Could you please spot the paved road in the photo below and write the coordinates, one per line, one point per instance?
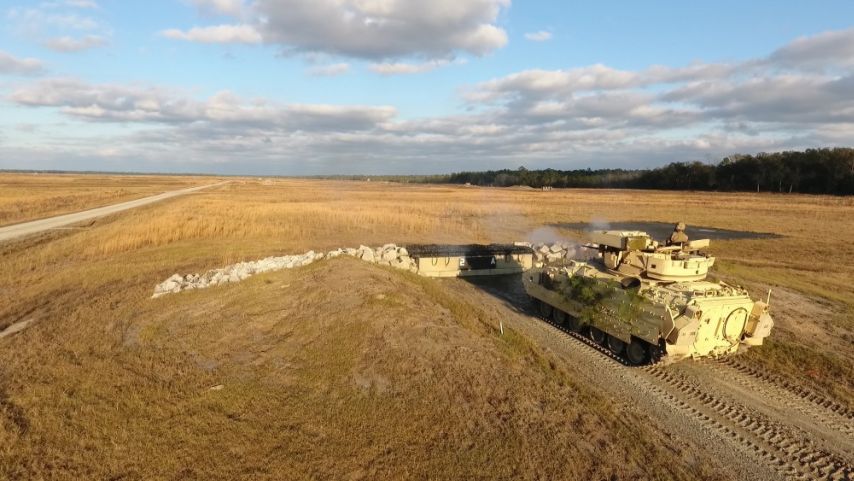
(36, 226)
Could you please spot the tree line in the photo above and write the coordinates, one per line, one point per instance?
(813, 171)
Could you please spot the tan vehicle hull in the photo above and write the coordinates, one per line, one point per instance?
(680, 320)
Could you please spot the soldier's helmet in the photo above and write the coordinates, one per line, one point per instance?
(680, 226)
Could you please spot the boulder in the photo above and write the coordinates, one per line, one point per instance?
(166, 286)
(399, 264)
(555, 248)
(367, 256)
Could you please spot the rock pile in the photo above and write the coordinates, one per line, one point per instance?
(388, 255)
(555, 253)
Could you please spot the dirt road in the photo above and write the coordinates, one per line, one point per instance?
(758, 427)
(36, 226)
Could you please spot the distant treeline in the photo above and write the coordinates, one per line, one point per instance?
(814, 171)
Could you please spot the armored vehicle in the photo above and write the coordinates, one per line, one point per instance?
(643, 300)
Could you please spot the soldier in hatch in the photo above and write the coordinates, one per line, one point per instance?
(678, 236)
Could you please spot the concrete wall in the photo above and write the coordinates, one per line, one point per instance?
(458, 266)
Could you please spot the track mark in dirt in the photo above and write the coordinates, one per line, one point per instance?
(827, 421)
(782, 447)
(785, 452)
(796, 391)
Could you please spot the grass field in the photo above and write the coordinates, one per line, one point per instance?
(320, 362)
(25, 197)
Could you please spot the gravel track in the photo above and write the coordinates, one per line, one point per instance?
(15, 231)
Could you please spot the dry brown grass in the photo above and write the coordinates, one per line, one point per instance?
(107, 374)
(25, 197)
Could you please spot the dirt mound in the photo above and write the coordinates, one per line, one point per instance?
(339, 370)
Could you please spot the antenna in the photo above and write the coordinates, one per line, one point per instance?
(768, 302)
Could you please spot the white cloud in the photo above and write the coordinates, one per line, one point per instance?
(14, 65)
(139, 104)
(71, 44)
(60, 25)
(37, 20)
(596, 115)
(366, 29)
(225, 7)
(540, 36)
(834, 49)
(216, 34)
(537, 82)
(330, 70)
(407, 68)
(81, 3)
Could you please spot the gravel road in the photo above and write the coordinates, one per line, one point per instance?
(27, 228)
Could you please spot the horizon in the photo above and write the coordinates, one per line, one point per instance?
(296, 88)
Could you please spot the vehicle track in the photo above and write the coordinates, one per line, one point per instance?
(792, 391)
(788, 453)
(810, 404)
(785, 449)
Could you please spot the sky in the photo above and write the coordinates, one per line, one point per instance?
(319, 87)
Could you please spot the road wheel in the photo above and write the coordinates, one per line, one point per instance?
(545, 310)
(636, 352)
(573, 324)
(615, 345)
(597, 335)
(559, 316)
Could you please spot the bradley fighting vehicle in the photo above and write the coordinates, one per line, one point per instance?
(643, 300)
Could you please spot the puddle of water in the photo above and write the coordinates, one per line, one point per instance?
(662, 230)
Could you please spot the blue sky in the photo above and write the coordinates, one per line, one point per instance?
(403, 86)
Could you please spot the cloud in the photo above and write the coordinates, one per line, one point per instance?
(365, 29)
(827, 50)
(81, 3)
(545, 83)
(70, 44)
(60, 26)
(19, 66)
(36, 20)
(797, 99)
(330, 70)
(156, 105)
(407, 68)
(590, 116)
(224, 7)
(216, 34)
(540, 36)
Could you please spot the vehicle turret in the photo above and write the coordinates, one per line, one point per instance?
(636, 255)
